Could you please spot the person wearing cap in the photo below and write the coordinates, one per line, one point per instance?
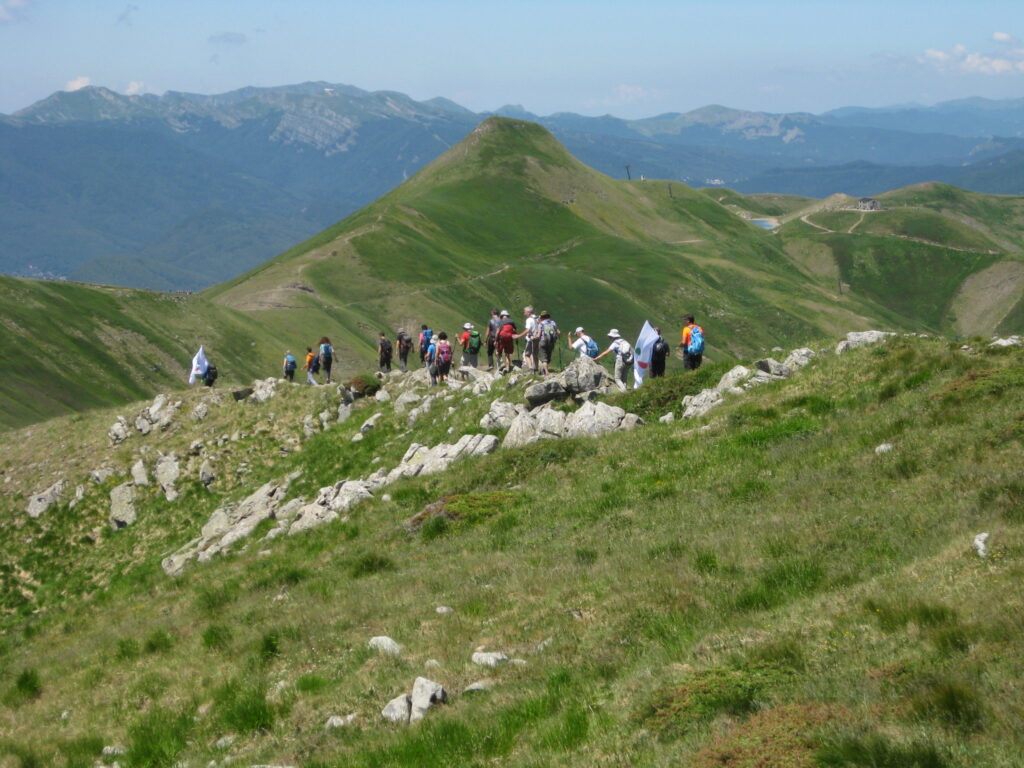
(547, 337)
(471, 342)
(532, 333)
(505, 341)
(581, 343)
(492, 336)
(623, 357)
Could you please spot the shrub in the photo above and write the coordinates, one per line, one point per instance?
(243, 707)
(954, 703)
(876, 751)
(127, 648)
(370, 563)
(213, 598)
(27, 686)
(157, 738)
(158, 641)
(310, 683)
(216, 637)
(364, 384)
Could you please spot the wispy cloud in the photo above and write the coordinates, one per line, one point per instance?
(127, 15)
(228, 38)
(135, 87)
(10, 10)
(959, 59)
(78, 83)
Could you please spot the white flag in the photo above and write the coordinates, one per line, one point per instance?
(199, 366)
(642, 353)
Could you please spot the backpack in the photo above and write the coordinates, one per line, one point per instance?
(548, 332)
(326, 352)
(289, 363)
(592, 348)
(627, 357)
(385, 347)
(427, 336)
(444, 352)
(474, 343)
(696, 345)
(315, 366)
(660, 348)
(404, 343)
(211, 374)
(507, 329)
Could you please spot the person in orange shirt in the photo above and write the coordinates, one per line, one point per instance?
(692, 344)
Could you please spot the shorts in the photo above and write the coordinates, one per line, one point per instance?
(545, 352)
(505, 345)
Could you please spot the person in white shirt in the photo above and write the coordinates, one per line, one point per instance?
(532, 334)
(623, 357)
(581, 342)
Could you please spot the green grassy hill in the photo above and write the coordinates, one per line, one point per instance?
(767, 590)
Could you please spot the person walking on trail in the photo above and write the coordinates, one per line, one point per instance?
(471, 343)
(210, 374)
(532, 333)
(312, 366)
(584, 345)
(326, 353)
(384, 352)
(492, 337)
(692, 344)
(505, 342)
(443, 355)
(547, 337)
(430, 359)
(659, 354)
(623, 351)
(289, 365)
(426, 337)
(404, 346)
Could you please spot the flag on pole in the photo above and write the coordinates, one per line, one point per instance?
(642, 353)
(199, 366)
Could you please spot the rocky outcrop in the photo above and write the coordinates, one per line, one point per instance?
(122, 506)
(856, 339)
(501, 415)
(166, 473)
(119, 431)
(581, 376)
(139, 474)
(412, 708)
(38, 503)
(264, 389)
(1010, 341)
(546, 423)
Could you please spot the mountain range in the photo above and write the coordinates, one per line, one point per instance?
(181, 191)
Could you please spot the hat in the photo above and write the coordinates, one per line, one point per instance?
(467, 326)
(579, 330)
(504, 313)
(614, 333)
(545, 313)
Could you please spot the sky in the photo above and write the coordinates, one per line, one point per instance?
(631, 58)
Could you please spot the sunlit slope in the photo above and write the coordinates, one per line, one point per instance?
(68, 347)
(508, 217)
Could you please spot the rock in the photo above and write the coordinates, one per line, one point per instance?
(731, 381)
(113, 751)
(42, 501)
(263, 390)
(582, 375)
(385, 645)
(335, 721)
(883, 448)
(79, 495)
(980, 544)
(1012, 341)
(398, 709)
(544, 392)
(195, 448)
(668, 418)
(325, 418)
(489, 658)
(143, 425)
(370, 423)
(101, 475)
(382, 396)
(344, 411)
(406, 399)
(500, 416)
(798, 358)
(425, 694)
(479, 686)
(593, 418)
(119, 431)
(241, 394)
(224, 742)
(166, 473)
(444, 610)
(522, 431)
(122, 506)
(698, 405)
(139, 475)
(200, 412)
(207, 474)
(309, 427)
(773, 368)
(856, 339)
(630, 421)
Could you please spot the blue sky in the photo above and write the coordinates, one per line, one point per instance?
(631, 59)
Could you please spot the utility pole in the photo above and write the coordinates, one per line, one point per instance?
(627, 172)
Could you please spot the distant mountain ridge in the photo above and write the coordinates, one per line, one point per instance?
(192, 189)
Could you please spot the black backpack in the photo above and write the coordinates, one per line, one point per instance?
(385, 347)
(315, 367)
(211, 375)
(660, 348)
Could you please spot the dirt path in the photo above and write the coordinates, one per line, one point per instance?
(856, 224)
(805, 220)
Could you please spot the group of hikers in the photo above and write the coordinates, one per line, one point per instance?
(539, 337)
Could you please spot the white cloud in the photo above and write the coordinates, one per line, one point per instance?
(78, 83)
(135, 87)
(960, 60)
(10, 10)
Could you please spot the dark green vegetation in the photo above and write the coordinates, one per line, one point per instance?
(769, 591)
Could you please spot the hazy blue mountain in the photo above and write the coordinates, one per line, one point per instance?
(963, 117)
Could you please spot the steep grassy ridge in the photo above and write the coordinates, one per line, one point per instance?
(768, 591)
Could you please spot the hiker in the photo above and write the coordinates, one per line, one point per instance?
(404, 345)
(547, 336)
(623, 357)
(492, 337)
(312, 366)
(505, 341)
(426, 336)
(210, 374)
(430, 359)
(443, 357)
(384, 351)
(659, 354)
(584, 345)
(326, 354)
(692, 344)
(532, 334)
(289, 365)
(471, 343)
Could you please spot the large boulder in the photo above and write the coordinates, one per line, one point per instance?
(773, 368)
(583, 375)
(593, 418)
(734, 379)
(42, 501)
(856, 339)
(522, 431)
(425, 694)
(139, 474)
(122, 506)
(398, 709)
(119, 431)
(698, 405)
(545, 391)
(501, 415)
(167, 473)
(263, 389)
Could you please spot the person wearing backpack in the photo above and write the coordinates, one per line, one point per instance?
(659, 354)
(289, 365)
(623, 357)
(492, 337)
(471, 343)
(312, 366)
(384, 352)
(404, 346)
(326, 355)
(210, 375)
(443, 355)
(426, 337)
(583, 345)
(692, 344)
(531, 350)
(505, 341)
(547, 335)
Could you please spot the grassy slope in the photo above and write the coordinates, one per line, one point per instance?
(770, 589)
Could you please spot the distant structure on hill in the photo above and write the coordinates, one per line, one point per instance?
(868, 204)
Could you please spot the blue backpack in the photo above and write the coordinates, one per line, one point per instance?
(428, 334)
(592, 349)
(696, 346)
(289, 363)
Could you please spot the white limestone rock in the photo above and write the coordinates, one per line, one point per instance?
(425, 694)
(668, 418)
(695, 406)
(38, 503)
(119, 431)
(166, 473)
(370, 423)
(489, 659)
(398, 709)
(731, 381)
(122, 506)
(799, 358)
(980, 544)
(384, 644)
(139, 474)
